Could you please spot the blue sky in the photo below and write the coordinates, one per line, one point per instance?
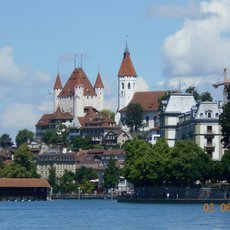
(168, 40)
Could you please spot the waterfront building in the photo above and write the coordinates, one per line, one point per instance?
(201, 124)
(183, 118)
(176, 104)
(17, 189)
(59, 161)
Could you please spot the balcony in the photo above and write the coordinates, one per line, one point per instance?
(209, 147)
(209, 133)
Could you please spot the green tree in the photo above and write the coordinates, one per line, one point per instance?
(107, 113)
(133, 116)
(188, 163)
(138, 161)
(224, 121)
(111, 174)
(85, 174)
(50, 137)
(193, 90)
(53, 180)
(23, 136)
(5, 141)
(146, 164)
(80, 143)
(163, 98)
(226, 165)
(25, 158)
(206, 96)
(14, 170)
(55, 136)
(67, 183)
(61, 130)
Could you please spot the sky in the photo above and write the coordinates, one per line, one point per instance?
(169, 42)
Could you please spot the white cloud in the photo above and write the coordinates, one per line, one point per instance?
(199, 47)
(10, 72)
(191, 9)
(46, 106)
(23, 93)
(142, 85)
(18, 116)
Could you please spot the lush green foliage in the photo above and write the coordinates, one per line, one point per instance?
(205, 96)
(22, 166)
(111, 174)
(224, 121)
(107, 113)
(55, 136)
(188, 163)
(157, 165)
(226, 165)
(23, 136)
(83, 177)
(133, 116)
(53, 180)
(5, 141)
(67, 183)
(80, 143)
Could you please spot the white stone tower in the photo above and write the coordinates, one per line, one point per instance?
(78, 102)
(126, 80)
(99, 89)
(57, 90)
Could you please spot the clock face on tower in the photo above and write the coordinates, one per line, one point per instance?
(122, 93)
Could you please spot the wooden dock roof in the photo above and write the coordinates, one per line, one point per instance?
(23, 183)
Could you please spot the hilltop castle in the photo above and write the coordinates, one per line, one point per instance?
(78, 93)
(77, 98)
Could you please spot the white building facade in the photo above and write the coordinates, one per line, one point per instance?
(201, 124)
(176, 105)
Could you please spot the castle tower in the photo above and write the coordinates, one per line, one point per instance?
(78, 101)
(99, 89)
(57, 89)
(126, 80)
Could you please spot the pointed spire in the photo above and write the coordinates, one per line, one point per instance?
(78, 81)
(98, 83)
(58, 84)
(127, 68)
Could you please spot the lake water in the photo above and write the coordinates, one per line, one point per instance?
(108, 214)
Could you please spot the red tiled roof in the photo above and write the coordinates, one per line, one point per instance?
(45, 119)
(58, 84)
(73, 80)
(148, 100)
(114, 152)
(127, 68)
(23, 182)
(98, 83)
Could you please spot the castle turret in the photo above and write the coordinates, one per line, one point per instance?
(99, 89)
(78, 102)
(126, 80)
(57, 90)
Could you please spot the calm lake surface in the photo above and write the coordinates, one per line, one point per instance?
(108, 214)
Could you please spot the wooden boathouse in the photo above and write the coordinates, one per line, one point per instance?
(24, 189)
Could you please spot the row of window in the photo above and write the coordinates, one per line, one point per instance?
(129, 85)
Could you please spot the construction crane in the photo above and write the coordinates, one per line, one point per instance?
(226, 84)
